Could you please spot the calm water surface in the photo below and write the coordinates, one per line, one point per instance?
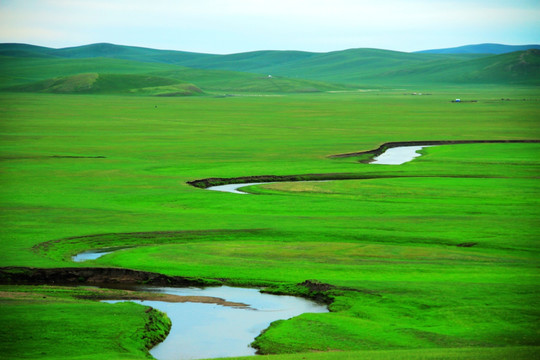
(201, 331)
(233, 188)
(97, 253)
(398, 155)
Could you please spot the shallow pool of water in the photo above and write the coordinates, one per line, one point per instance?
(398, 155)
(201, 331)
(96, 253)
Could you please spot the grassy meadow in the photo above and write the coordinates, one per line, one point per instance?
(433, 259)
(79, 165)
(52, 322)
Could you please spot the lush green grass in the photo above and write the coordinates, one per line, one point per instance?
(52, 323)
(525, 353)
(389, 244)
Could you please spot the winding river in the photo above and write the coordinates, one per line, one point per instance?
(392, 156)
(201, 330)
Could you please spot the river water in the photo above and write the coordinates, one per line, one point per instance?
(233, 188)
(398, 155)
(96, 253)
(392, 156)
(201, 331)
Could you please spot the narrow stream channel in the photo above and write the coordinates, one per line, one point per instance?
(233, 188)
(392, 156)
(97, 253)
(201, 331)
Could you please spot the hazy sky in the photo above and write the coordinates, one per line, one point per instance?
(229, 26)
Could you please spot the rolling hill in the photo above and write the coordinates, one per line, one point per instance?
(128, 69)
(117, 76)
(522, 67)
(94, 83)
(495, 49)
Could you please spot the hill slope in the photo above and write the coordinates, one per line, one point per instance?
(94, 83)
(306, 71)
(104, 50)
(521, 67)
(107, 76)
(495, 49)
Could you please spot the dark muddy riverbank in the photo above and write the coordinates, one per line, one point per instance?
(208, 182)
(382, 148)
(93, 276)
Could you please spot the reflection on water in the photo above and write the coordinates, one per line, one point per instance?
(233, 188)
(96, 253)
(398, 155)
(201, 331)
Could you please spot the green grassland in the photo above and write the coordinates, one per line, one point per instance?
(51, 322)
(436, 258)
(389, 245)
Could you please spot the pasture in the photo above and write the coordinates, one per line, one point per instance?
(436, 258)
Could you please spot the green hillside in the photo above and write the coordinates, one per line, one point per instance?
(26, 74)
(522, 67)
(124, 68)
(94, 83)
(104, 50)
(374, 66)
(25, 70)
(482, 49)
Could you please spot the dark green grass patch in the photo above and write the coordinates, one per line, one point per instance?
(49, 323)
(524, 353)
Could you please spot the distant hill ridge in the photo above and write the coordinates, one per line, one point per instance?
(37, 68)
(487, 48)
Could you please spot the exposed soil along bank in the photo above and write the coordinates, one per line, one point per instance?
(118, 277)
(205, 183)
(378, 151)
(94, 276)
(208, 182)
(147, 294)
(113, 277)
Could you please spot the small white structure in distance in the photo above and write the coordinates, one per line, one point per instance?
(269, 76)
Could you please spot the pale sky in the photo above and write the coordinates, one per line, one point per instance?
(230, 26)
